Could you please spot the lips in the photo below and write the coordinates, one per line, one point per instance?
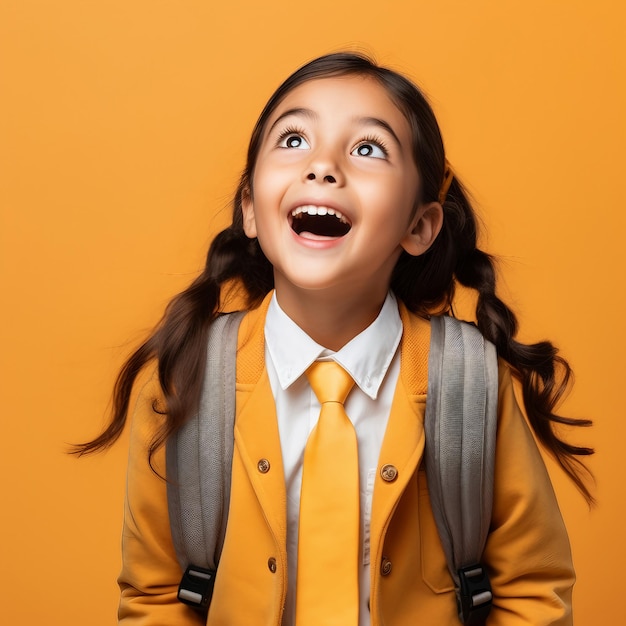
(319, 221)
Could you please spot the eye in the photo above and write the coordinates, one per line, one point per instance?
(370, 148)
(293, 140)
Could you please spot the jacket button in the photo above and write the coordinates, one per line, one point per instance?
(263, 466)
(388, 473)
(271, 564)
(385, 567)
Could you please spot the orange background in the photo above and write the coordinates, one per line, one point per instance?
(123, 127)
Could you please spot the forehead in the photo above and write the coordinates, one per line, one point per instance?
(343, 98)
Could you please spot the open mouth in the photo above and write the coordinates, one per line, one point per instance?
(319, 221)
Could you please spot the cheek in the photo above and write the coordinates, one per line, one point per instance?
(395, 200)
(270, 179)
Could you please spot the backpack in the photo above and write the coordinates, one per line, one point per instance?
(460, 425)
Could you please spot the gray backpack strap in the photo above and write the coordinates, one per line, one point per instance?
(199, 464)
(460, 423)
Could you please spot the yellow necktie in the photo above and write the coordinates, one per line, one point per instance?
(327, 588)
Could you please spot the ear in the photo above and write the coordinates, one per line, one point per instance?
(424, 228)
(247, 210)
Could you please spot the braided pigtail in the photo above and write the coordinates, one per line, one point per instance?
(543, 373)
(178, 343)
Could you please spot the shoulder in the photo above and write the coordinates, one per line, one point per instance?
(251, 343)
(415, 355)
(414, 349)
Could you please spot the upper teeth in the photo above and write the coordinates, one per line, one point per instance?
(311, 209)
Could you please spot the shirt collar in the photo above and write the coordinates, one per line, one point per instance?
(366, 357)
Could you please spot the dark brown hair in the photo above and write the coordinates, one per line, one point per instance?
(425, 284)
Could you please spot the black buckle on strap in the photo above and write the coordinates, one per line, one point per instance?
(476, 596)
(196, 587)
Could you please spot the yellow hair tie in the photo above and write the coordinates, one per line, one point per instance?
(448, 175)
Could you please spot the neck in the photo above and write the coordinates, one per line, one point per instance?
(331, 319)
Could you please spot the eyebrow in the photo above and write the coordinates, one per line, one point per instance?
(375, 121)
(299, 111)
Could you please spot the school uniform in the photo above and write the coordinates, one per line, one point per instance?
(527, 550)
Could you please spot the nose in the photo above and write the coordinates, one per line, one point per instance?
(329, 178)
(323, 168)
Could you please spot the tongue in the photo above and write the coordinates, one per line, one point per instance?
(305, 234)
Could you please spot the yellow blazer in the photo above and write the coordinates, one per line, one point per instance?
(527, 551)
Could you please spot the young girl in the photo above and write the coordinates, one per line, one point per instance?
(349, 230)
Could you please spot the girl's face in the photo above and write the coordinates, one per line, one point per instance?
(333, 197)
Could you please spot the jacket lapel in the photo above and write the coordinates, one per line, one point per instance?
(402, 450)
(257, 439)
(403, 444)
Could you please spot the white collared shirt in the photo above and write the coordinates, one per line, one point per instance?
(372, 359)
